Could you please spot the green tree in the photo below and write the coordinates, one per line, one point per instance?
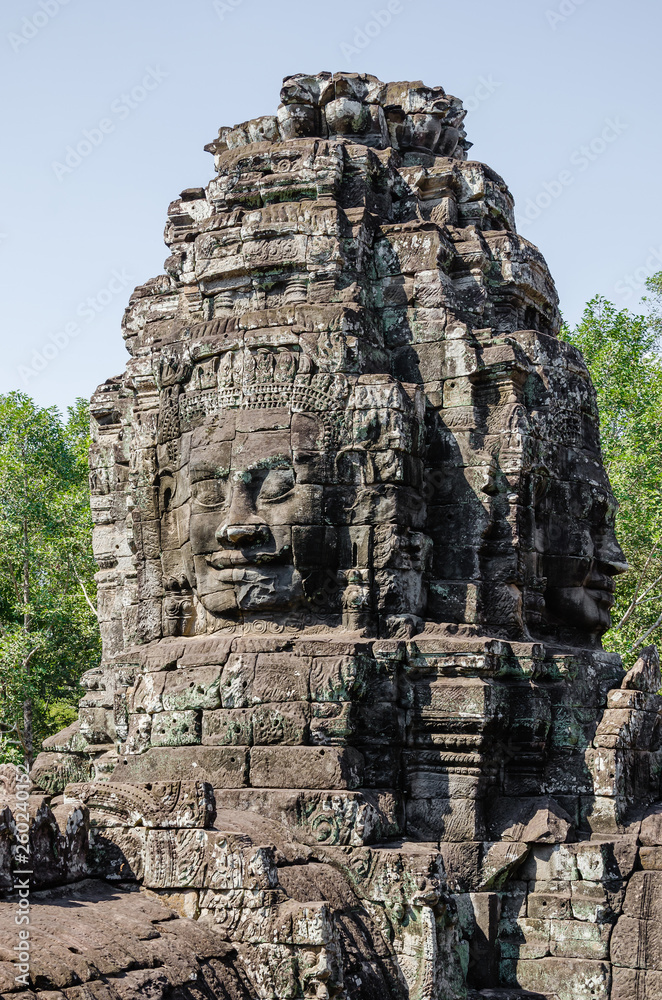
(48, 625)
(621, 351)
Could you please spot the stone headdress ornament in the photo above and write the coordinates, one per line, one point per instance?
(260, 378)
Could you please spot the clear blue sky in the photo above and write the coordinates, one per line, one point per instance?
(564, 100)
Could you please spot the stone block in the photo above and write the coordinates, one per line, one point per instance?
(651, 858)
(644, 895)
(499, 863)
(513, 909)
(392, 874)
(117, 852)
(625, 727)
(531, 940)
(167, 804)
(211, 650)
(444, 783)
(645, 674)
(310, 767)
(338, 678)
(256, 919)
(462, 863)
(606, 861)
(331, 722)
(69, 740)
(602, 814)
(96, 725)
(636, 942)
(192, 688)
(445, 819)
(579, 939)
(281, 677)
(530, 820)
(606, 766)
(139, 733)
(321, 818)
(209, 859)
(635, 984)
(565, 979)
(51, 772)
(593, 902)
(468, 702)
(237, 680)
(175, 729)
(227, 727)
(147, 694)
(549, 863)
(548, 906)
(223, 767)
(620, 698)
(284, 722)
(650, 834)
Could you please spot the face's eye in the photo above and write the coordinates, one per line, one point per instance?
(277, 484)
(210, 493)
(600, 511)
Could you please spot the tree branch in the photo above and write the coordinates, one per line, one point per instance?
(82, 587)
(643, 637)
(26, 661)
(634, 602)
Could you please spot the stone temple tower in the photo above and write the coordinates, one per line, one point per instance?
(354, 734)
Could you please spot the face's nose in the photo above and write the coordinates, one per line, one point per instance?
(610, 555)
(241, 527)
(241, 535)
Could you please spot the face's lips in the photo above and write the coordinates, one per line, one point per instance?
(602, 595)
(600, 587)
(228, 558)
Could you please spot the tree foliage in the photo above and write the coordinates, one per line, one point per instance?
(621, 351)
(48, 626)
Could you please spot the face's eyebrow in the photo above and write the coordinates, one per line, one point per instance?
(267, 464)
(205, 470)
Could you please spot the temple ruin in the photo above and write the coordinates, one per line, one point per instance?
(354, 734)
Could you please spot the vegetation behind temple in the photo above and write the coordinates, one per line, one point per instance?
(621, 351)
(48, 628)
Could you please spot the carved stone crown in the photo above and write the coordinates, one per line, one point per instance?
(263, 379)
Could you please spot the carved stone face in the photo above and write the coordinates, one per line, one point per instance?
(253, 510)
(582, 559)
